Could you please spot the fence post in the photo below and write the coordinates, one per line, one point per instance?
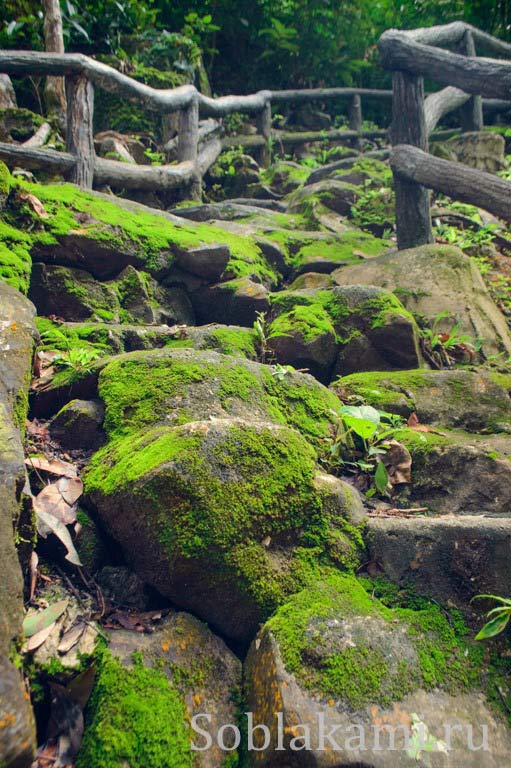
(264, 129)
(413, 217)
(355, 118)
(80, 132)
(471, 113)
(188, 143)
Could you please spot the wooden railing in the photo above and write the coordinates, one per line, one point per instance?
(197, 144)
(410, 56)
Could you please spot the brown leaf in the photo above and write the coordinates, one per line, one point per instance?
(71, 637)
(34, 562)
(59, 499)
(398, 463)
(413, 423)
(38, 639)
(80, 687)
(53, 466)
(37, 429)
(34, 203)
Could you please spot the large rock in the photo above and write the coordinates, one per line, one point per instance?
(197, 664)
(234, 302)
(473, 400)
(342, 330)
(215, 513)
(336, 662)
(17, 736)
(78, 425)
(479, 149)
(432, 279)
(335, 195)
(451, 559)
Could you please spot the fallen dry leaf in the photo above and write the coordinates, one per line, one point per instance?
(38, 639)
(59, 499)
(398, 463)
(53, 466)
(47, 523)
(34, 203)
(413, 423)
(34, 562)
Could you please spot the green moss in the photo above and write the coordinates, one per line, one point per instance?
(15, 260)
(143, 388)
(239, 342)
(345, 249)
(5, 181)
(382, 309)
(384, 390)
(135, 718)
(440, 657)
(308, 322)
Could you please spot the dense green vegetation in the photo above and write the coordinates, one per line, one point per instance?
(281, 43)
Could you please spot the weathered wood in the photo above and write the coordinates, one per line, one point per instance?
(486, 77)
(207, 129)
(80, 134)
(208, 155)
(54, 87)
(460, 182)
(40, 137)
(355, 118)
(225, 105)
(471, 112)
(300, 137)
(21, 63)
(264, 130)
(28, 157)
(322, 94)
(148, 177)
(7, 95)
(496, 105)
(413, 217)
(188, 136)
(439, 104)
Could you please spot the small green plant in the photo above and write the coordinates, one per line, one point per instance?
(156, 158)
(360, 440)
(501, 616)
(473, 238)
(261, 333)
(79, 359)
(443, 349)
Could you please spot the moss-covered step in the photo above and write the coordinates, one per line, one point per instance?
(17, 731)
(224, 517)
(473, 400)
(103, 234)
(232, 506)
(134, 296)
(458, 473)
(179, 671)
(434, 279)
(335, 661)
(81, 380)
(453, 559)
(342, 330)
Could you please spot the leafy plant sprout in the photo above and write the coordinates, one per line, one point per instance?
(500, 617)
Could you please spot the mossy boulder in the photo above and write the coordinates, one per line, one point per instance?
(232, 507)
(285, 177)
(17, 331)
(472, 400)
(72, 294)
(15, 259)
(134, 719)
(335, 656)
(334, 195)
(79, 425)
(197, 664)
(344, 330)
(232, 302)
(458, 473)
(433, 279)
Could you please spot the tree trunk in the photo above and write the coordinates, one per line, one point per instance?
(54, 89)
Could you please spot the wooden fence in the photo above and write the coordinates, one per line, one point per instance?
(410, 56)
(197, 143)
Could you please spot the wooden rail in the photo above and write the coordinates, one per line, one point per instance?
(197, 145)
(412, 55)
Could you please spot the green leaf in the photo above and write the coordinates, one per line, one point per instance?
(503, 600)
(39, 621)
(363, 420)
(493, 627)
(381, 478)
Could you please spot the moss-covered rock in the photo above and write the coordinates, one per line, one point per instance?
(342, 330)
(15, 260)
(334, 195)
(17, 731)
(234, 506)
(233, 302)
(473, 400)
(72, 294)
(134, 718)
(198, 665)
(284, 177)
(5, 184)
(433, 279)
(78, 425)
(334, 655)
